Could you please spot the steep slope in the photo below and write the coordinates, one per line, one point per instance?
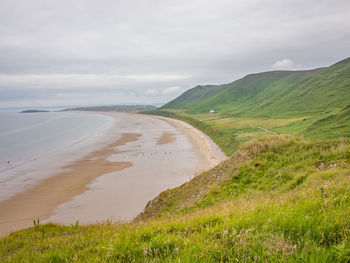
(275, 94)
(315, 101)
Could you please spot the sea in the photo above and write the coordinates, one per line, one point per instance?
(29, 137)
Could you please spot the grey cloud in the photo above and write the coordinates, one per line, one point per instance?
(203, 41)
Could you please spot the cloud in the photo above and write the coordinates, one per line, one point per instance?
(111, 47)
(166, 91)
(151, 92)
(162, 95)
(82, 79)
(284, 64)
(172, 90)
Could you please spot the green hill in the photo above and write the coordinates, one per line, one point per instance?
(275, 93)
(313, 103)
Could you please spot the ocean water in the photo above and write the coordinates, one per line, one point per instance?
(25, 137)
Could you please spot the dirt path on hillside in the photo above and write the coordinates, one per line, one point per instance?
(273, 132)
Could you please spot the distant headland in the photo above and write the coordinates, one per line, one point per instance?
(33, 111)
(115, 108)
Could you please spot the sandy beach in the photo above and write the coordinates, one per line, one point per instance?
(143, 156)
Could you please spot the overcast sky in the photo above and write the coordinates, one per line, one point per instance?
(72, 52)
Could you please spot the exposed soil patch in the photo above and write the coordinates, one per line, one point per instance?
(166, 137)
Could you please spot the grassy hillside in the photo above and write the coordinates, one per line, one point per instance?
(274, 94)
(312, 103)
(279, 199)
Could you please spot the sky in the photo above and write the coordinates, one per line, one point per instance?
(74, 52)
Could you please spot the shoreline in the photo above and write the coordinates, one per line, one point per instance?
(116, 161)
(204, 144)
(22, 177)
(61, 187)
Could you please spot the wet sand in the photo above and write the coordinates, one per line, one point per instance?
(39, 201)
(115, 182)
(201, 142)
(166, 137)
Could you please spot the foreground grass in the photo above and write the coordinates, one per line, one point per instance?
(286, 199)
